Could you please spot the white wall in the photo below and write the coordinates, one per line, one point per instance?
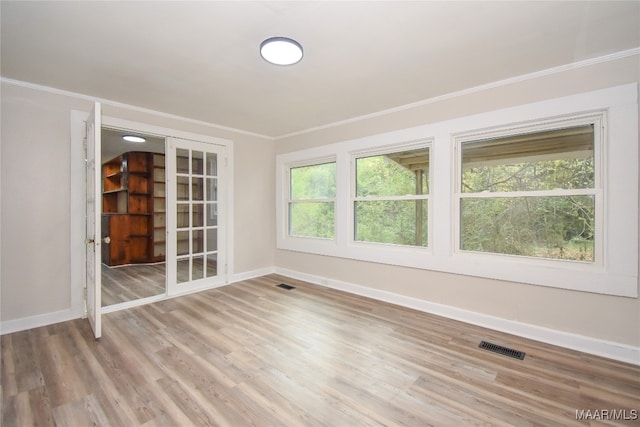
(599, 317)
(35, 220)
(35, 264)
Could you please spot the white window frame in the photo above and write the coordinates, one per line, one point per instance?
(396, 148)
(290, 200)
(615, 271)
(598, 120)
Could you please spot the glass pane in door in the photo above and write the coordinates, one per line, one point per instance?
(211, 227)
(196, 210)
(183, 270)
(212, 164)
(182, 161)
(196, 162)
(212, 214)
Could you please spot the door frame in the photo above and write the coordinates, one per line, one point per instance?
(175, 288)
(77, 202)
(93, 211)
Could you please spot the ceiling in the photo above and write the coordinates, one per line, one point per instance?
(200, 60)
(113, 145)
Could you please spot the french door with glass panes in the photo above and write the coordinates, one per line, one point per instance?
(195, 215)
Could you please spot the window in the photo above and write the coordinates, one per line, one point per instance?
(312, 192)
(543, 193)
(531, 193)
(391, 197)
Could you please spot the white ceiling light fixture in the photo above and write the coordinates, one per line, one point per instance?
(281, 51)
(132, 138)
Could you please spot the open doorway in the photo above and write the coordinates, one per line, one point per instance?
(133, 217)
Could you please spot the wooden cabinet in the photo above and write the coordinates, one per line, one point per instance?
(159, 208)
(132, 213)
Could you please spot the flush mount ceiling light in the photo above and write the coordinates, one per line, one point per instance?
(132, 138)
(281, 51)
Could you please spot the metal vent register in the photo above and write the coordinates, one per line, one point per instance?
(505, 351)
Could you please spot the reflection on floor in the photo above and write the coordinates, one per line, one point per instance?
(198, 268)
(131, 282)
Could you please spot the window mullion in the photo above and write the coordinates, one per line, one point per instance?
(331, 200)
(390, 198)
(536, 193)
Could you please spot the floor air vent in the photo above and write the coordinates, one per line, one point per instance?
(502, 350)
(287, 287)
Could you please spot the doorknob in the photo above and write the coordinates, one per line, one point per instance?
(107, 240)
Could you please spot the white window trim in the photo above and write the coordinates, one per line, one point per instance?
(617, 274)
(598, 119)
(389, 149)
(283, 195)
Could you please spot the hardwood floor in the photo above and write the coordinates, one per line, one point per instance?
(254, 354)
(132, 282)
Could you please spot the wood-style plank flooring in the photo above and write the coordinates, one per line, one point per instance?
(254, 354)
(131, 282)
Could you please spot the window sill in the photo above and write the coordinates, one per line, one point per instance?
(569, 275)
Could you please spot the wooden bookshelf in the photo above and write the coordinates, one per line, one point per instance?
(132, 213)
(159, 219)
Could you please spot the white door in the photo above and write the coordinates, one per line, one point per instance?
(196, 256)
(93, 209)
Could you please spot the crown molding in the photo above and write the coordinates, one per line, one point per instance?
(117, 104)
(500, 83)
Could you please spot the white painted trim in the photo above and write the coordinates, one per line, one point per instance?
(617, 276)
(233, 279)
(117, 104)
(134, 303)
(77, 213)
(236, 278)
(500, 83)
(247, 275)
(608, 349)
(160, 131)
(512, 80)
(77, 193)
(230, 231)
(23, 324)
(17, 325)
(225, 187)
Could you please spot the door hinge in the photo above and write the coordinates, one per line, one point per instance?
(84, 293)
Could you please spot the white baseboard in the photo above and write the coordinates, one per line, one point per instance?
(17, 325)
(10, 326)
(608, 349)
(239, 277)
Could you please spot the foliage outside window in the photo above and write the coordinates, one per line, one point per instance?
(391, 198)
(312, 192)
(531, 194)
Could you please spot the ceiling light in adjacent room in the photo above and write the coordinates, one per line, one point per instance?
(132, 138)
(281, 51)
